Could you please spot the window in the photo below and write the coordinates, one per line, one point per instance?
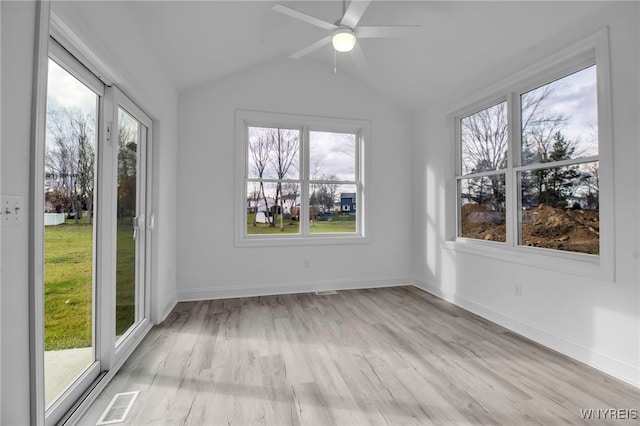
(558, 180)
(484, 141)
(301, 179)
(529, 168)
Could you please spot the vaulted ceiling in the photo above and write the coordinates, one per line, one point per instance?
(201, 41)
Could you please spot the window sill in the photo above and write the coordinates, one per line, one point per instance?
(299, 240)
(587, 265)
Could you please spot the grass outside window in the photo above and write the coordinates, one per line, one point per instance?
(68, 284)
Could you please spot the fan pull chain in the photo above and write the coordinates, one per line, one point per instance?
(335, 62)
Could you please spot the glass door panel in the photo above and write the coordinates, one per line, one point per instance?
(69, 234)
(130, 214)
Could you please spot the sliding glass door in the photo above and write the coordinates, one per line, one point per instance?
(133, 131)
(73, 100)
(94, 297)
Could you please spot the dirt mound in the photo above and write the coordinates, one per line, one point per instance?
(543, 226)
(571, 230)
(482, 223)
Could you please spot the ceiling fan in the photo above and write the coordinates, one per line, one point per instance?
(345, 32)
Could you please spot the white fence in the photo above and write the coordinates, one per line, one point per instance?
(53, 219)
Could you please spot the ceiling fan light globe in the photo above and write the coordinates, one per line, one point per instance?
(343, 40)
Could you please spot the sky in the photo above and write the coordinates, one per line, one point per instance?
(575, 97)
(330, 154)
(66, 91)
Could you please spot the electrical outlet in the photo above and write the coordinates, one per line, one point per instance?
(517, 290)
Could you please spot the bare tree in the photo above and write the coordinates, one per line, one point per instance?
(324, 192)
(259, 152)
(70, 155)
(290, 192)
(590, 181)
(539, 125)
(485, 140)
(286, 148)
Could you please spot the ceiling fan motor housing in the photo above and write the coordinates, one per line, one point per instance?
(343, 39)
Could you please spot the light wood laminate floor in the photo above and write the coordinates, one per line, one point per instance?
(382, 356)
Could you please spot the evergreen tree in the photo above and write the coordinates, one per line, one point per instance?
(555, 185)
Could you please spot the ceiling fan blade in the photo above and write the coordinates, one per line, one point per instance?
(387, 31)
(315, 46)
(354, 13)
(358, 57)
(303, 17)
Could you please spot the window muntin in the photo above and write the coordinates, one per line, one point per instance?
(557, 171)
(317, 195)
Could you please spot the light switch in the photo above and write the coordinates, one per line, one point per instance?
(12, 212)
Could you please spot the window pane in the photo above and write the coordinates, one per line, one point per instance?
(127, 304)
(273, 208)
(273, 153)
(332, 208)
(482, 213)
(332, 156)
(485, 137)
(560, 119)
(69, 235)
(560, 208)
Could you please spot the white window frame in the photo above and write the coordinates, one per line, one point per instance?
(591, 50)
(306, 124)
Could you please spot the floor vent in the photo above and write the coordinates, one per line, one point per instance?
(326, 292)
(118, 408)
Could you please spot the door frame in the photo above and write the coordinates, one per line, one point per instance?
(108, 358)
(116, 99)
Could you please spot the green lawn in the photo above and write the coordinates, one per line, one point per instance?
(125, 279)
(68, 270)
(339, 223)
(67, 286)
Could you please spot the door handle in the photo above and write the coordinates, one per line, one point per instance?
(136, 221)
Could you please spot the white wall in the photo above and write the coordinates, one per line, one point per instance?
(0, 230)
(209, 264)
(593, 321)
(18, 29)
(125, 52)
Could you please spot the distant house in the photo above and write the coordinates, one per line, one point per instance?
(348, 202)
(264, 211)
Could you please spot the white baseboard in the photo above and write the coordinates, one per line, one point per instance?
(167, 309)
(228, 292)
(619, 369)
